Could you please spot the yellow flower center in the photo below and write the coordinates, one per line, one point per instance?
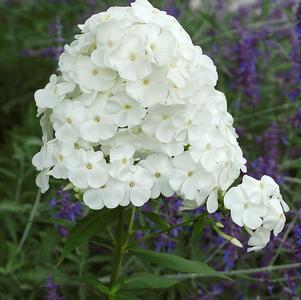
(152, 46)
(190, 173)
(133, 57)
(131, 184)
(97, 119)
(127, 106)
(89, 166)
(94, 72)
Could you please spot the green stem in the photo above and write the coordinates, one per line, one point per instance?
(238, 272)
(232, 273)
(130, 230)
(121, 244)
(285, 236)
(30, 220)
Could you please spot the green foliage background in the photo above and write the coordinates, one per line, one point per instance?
(24, 24)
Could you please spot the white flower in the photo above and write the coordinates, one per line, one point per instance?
(192, 124)
(208, 149)
(243, 211)
(259, 239)
(138, 187)
(160, 44)
(130, 60)
(275, 219)
(127, 111)
(212, 201)
(260, 190)
(144, 11)
(53, 93)
(93, 78)
(121, 161)
(42, 180)
(98, 125)
(67, 118)
(82, 44)
(149, 90)
(66, 158)
(188, 177)
(108, 39)
(45, 157)
(110, 195)
(257, 204)
(91, 171)
(160, 167)
(177, 73)
(160, 122)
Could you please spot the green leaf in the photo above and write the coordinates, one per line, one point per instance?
(126, 296)
(93, 282)
(86, 228)
(156, 219)
(176, 263)
(147, 281)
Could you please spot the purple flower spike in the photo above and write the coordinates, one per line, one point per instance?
(52, 290)
(66, 209)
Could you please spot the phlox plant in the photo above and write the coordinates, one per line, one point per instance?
(132, 117)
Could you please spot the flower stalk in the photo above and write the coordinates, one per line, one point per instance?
(121, 245)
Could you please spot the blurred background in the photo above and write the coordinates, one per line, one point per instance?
(256, 46)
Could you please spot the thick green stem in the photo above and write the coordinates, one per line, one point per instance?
(122, 241)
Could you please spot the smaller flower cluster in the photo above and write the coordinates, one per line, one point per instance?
(258, 206)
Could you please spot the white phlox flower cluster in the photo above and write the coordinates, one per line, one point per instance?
(258, 206)
(134, 114)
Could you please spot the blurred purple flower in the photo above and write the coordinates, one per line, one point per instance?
(268, 162)
(52, 290)
(169, 210)
(295, 120)
(66, 209)
(246, 53)
(171, 9)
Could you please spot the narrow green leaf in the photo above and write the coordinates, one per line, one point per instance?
(147, 281)
(93, 282)
(86, 228)
(176, 263)
(156, 219)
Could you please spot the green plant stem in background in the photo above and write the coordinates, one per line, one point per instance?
(122, 242)
(239, 272)
(232, 273)
(30, 220)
